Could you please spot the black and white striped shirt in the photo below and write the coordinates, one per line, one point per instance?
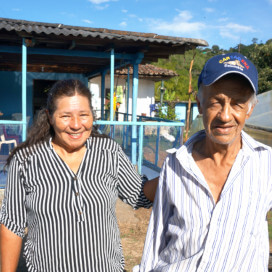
(71, 219)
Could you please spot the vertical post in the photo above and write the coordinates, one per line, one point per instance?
(141, 142)
(190, 91)
(127, 111)
(134, 114)
(103, 95)
(157, 146)
(127, 96)
(111, 84)
(162, 92)
(24, 106)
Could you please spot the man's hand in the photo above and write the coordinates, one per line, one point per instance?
(150, 188)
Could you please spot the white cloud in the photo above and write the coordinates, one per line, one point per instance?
(239, 28)
(124, 10)
(123, 24)
(87, 21)
(16, 9)
(98, 2)
(136, 17)
(234, 31)
(224, 19)
(229, 35)
(210, 10)
(102, 7)
(180, 25)
(184, 15)
(269, 1)
(71, 15)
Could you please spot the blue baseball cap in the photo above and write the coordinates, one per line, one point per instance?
(221, 65)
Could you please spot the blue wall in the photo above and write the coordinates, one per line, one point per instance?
(181, 110)
(11, 89)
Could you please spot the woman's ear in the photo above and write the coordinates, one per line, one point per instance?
(48, 116)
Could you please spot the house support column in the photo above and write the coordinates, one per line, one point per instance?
(134, 107)
(24, 74)
(126, 128)
(134, 113)
(103, 75)
(111, 84)
(127, 96)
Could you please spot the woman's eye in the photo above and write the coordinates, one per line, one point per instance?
(84, 115)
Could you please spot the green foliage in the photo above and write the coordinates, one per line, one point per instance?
(170, 112)
(262, 58)
(177, 87)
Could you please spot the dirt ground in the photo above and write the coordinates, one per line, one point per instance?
(133, 226)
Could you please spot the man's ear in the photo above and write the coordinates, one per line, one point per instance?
(250, 112)
(199, 105)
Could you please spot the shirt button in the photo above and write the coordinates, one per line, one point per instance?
(80, 212)
(75, 178)
(77, 193)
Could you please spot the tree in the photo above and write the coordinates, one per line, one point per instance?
(215, 49)
(260, 54)
(262, 58)
(181, 65)
(254, 40)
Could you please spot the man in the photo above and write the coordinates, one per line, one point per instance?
(214, 192)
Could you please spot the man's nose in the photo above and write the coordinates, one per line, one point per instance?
(225, 113)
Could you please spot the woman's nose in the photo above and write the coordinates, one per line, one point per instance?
(75, 122)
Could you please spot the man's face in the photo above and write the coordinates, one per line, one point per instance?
(225, 108)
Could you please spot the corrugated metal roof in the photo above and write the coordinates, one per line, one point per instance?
(102, 33)
(45, 37)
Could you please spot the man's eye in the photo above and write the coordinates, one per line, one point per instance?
(238, 105)
(214, 103)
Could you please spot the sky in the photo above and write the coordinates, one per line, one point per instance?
(225, 23)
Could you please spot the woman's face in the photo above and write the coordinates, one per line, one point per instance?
(72, 122)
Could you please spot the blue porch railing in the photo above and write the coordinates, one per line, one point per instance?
(154, 137)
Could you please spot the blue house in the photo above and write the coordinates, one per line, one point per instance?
(34, 55)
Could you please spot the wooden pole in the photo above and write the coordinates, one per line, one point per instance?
(190, 90)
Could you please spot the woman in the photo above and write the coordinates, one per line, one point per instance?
(63, 183)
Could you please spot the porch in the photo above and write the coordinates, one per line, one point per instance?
(35, 51)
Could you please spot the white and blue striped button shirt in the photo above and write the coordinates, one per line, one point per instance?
(188, 231)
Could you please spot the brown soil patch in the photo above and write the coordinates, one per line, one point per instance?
(133, 226)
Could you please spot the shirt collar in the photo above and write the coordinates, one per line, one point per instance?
(50, 143)
(51, 146)
(249, 145)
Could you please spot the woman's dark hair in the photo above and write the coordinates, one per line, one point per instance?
(41, 130)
